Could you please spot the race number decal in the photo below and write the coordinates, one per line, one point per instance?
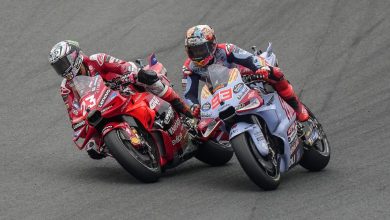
(89, 102)
(222, 96)
(226, 94)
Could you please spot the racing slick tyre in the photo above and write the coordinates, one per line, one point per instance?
(263, 171)
(143, 164)
(316, 157)
(214, 154)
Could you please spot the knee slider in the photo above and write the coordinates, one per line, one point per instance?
(148, 77)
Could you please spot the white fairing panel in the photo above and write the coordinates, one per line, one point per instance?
(255, 133)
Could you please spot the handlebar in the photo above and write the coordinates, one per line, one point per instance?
(252, 78)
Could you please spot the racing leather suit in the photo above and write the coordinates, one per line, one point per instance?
(111, 70)
(230, 55)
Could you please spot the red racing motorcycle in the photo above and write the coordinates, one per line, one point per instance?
(142, 132)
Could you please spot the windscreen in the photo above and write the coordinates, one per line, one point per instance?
(84, 85)
(218, 77)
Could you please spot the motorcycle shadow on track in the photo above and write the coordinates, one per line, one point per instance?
(107, 173)
(193, 169)
(296, 179)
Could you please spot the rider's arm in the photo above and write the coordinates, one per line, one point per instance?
(190, 84)
(111, 64)
(242, 57)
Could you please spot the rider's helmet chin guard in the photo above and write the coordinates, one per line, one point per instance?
(66, 58)
(200, 44)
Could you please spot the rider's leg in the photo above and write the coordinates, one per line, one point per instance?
(154, 85)
(177, 103)
(286, 91)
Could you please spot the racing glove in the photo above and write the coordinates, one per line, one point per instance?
(263, 72)
(128, 78)
(195, 109)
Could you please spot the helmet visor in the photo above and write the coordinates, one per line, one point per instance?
(62, 66)
(200, 52)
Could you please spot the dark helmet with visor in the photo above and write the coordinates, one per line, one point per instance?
(66, 58)
(200, 44)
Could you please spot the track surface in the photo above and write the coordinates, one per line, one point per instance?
(335, 53)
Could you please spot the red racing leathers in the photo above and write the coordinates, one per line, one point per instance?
(231, 56)
(108, 67)
(113, 70)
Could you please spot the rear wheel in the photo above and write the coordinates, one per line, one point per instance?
(214, 154)
(143, 162)
(316, 157)
(264, 171)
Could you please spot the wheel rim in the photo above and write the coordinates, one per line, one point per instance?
(148, 158)
(322, 144)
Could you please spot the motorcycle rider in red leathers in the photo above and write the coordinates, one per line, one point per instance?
(203, 50)
(68, 61)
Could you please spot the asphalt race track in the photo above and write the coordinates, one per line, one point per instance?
(335, 53)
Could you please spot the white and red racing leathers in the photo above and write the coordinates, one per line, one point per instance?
(230, 55)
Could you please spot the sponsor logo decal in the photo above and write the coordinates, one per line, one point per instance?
(104, 98)
(206, 106)
(78, 125)
(271, 100)
(113, 95)
(293, 160)
(107, 108)
(177, 139)
(168, 116)
(154, 102)
(205, 115)
(96, 85)
(291, 132)
(174, 127)
(237, 88)
(294, 145)
(76, 133)
(75, 104)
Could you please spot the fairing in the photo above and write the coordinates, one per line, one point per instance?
(227, 89)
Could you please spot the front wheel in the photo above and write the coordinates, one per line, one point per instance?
(264, 171)
(316, 157)
(142, 163)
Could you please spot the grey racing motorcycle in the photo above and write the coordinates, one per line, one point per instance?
(261, 127)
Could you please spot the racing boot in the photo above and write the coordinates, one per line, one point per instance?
(286, 91)
(155, 86)
(177, 103)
